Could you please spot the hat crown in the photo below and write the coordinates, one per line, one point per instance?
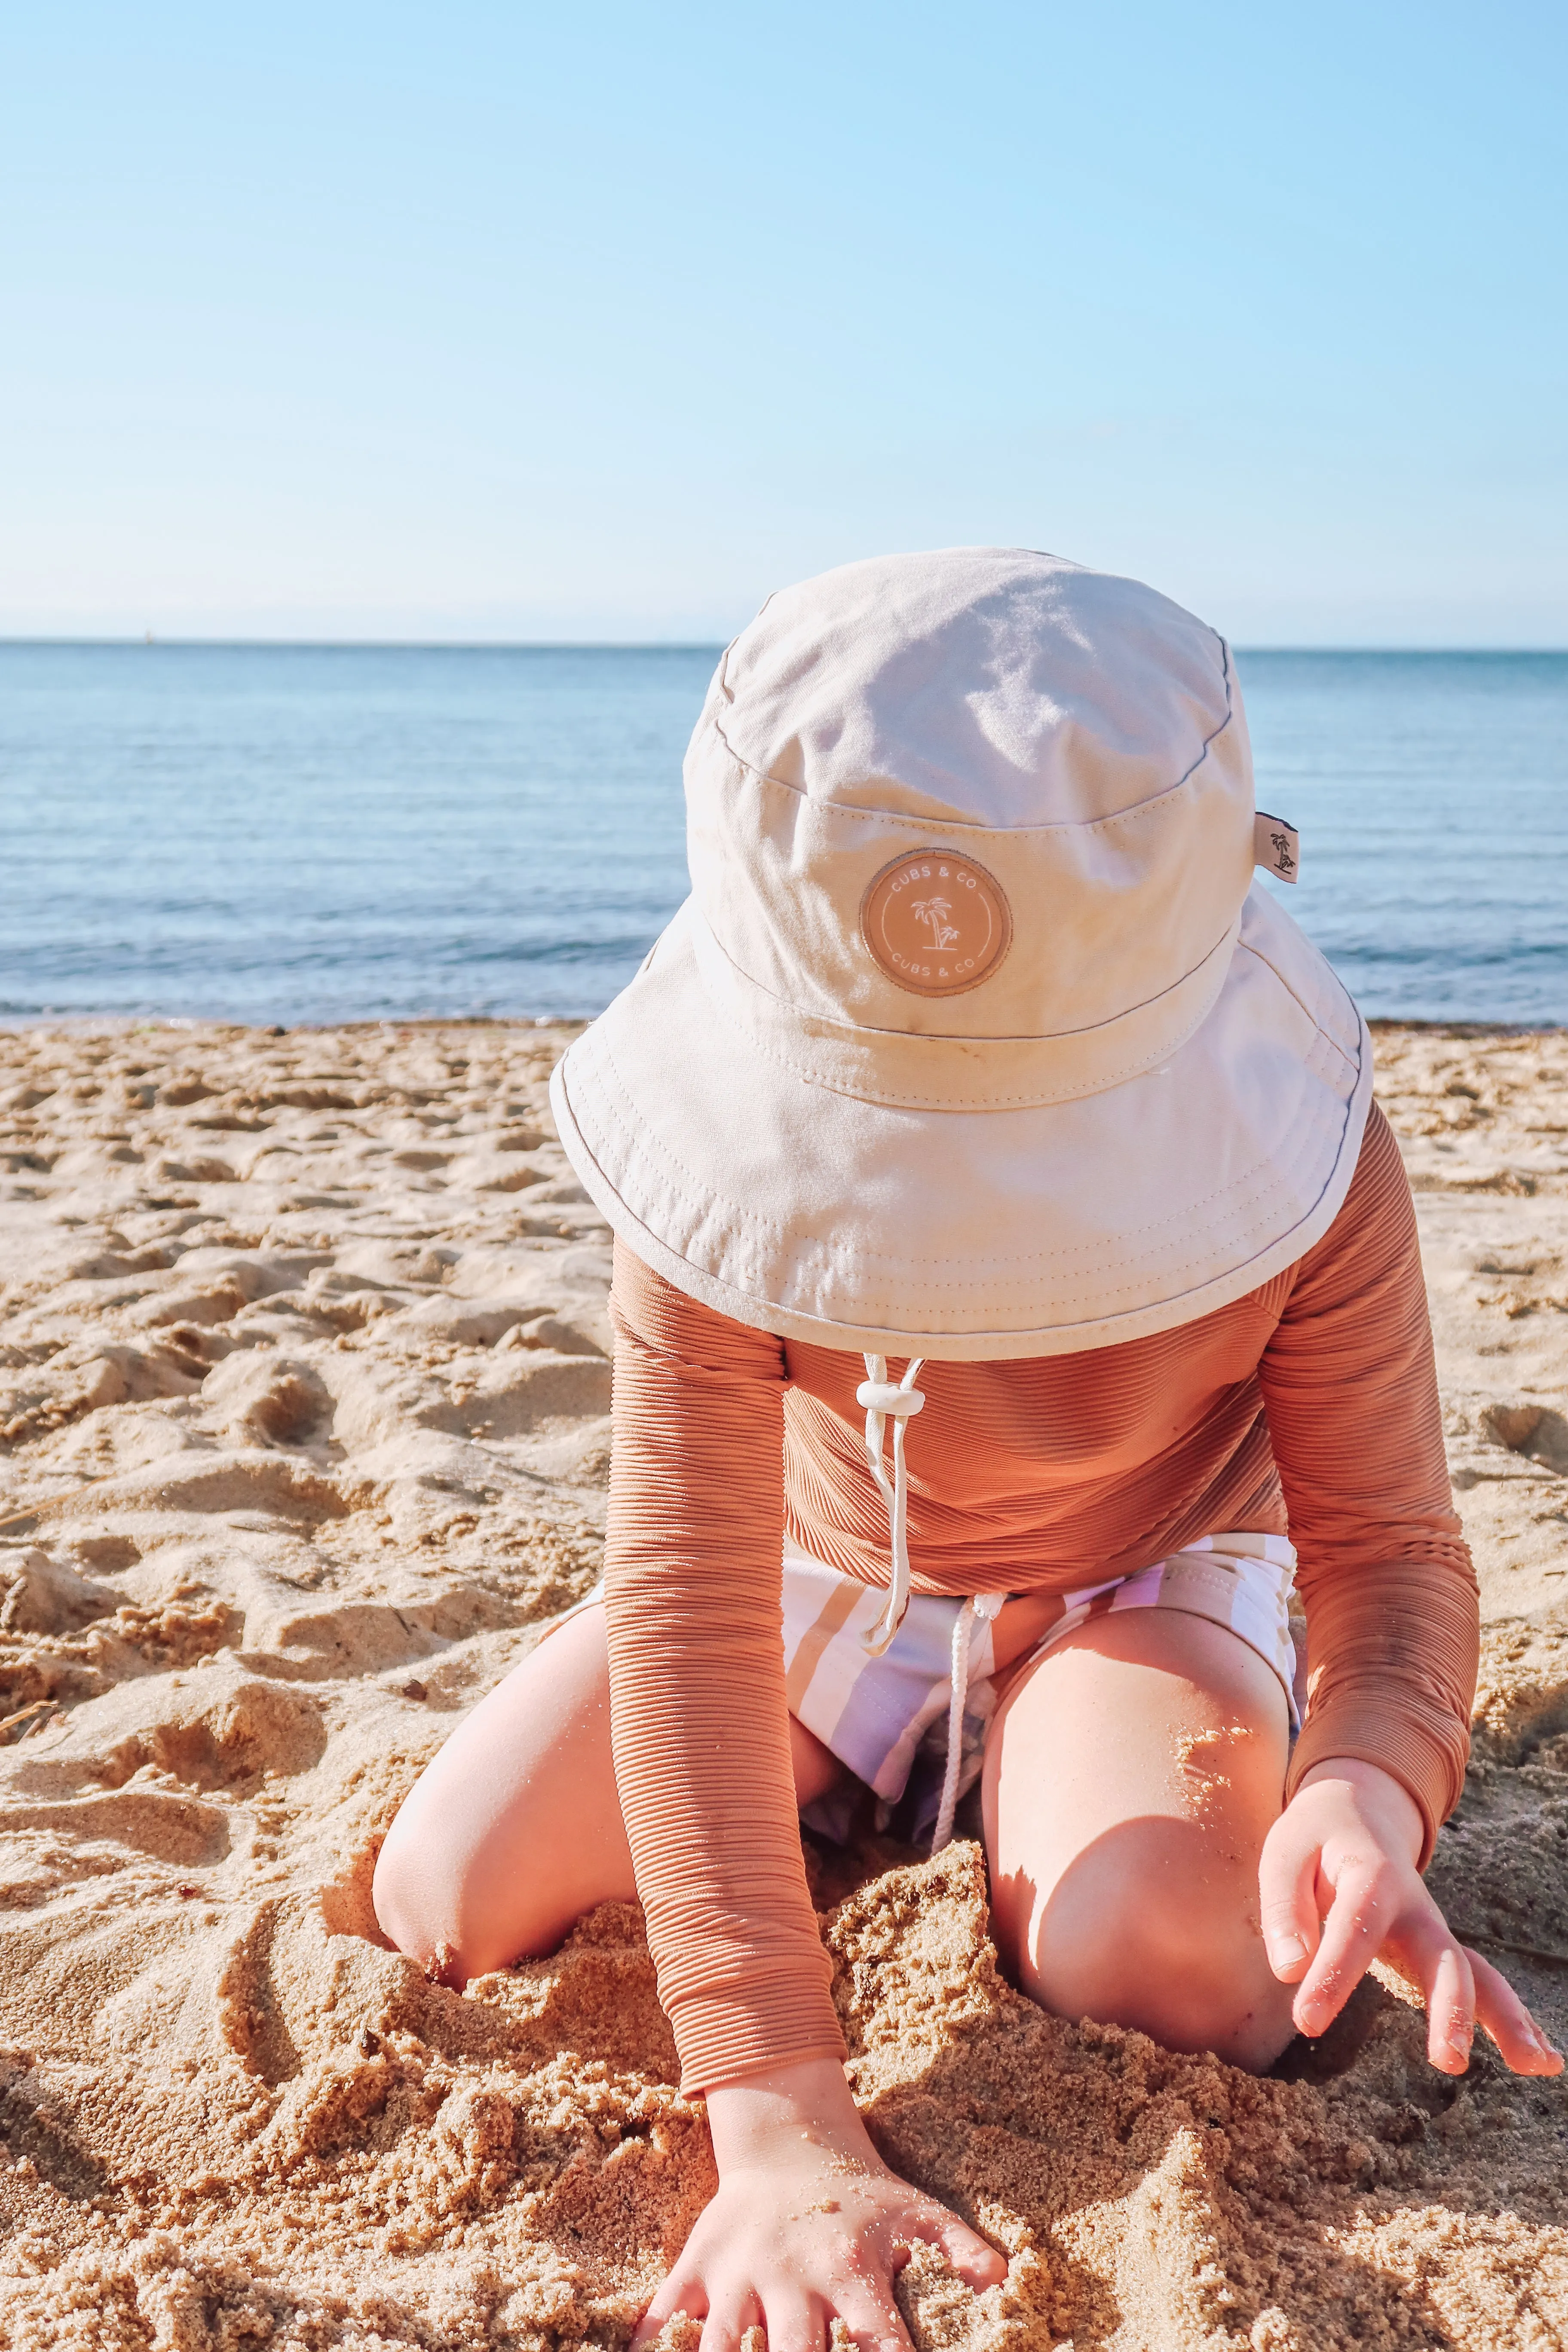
(976, 686)
(1075, 738)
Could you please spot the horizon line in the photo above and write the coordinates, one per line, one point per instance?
(152, 641)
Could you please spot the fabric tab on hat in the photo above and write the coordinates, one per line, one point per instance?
(1277, 846)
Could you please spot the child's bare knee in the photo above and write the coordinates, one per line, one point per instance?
(409, 1908)
(1181, 1969)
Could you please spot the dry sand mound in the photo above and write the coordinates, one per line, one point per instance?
(302, 1438)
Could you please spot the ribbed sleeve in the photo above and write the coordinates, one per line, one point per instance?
(1385, 1575)
(698, 1716)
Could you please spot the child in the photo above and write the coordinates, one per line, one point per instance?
(1008, 1245)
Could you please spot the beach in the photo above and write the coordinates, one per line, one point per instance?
(304, 1395)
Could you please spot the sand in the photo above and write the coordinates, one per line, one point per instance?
(302, 1439)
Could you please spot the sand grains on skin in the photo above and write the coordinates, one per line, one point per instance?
(303, 1437)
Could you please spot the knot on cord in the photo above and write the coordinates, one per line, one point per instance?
(893, 1400)
(887, 1396)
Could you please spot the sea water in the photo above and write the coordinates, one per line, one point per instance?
(281, 833)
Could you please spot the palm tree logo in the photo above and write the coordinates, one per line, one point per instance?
(936, 912)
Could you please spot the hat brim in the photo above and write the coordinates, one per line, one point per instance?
(1042, 1230)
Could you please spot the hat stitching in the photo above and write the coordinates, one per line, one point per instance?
(642, 1138)
(812, 1075)
(1325, 1052)
(741, 1221)
(1270, 965)
(1324, 1041)
(963, 825)
(1151, 1319)
(745, 1308)
(1253, 1220)
(818, 1076)
(870, 1303)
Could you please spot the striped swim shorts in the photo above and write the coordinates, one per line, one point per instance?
(887, 1717)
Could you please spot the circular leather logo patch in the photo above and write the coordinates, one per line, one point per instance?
(937, 924)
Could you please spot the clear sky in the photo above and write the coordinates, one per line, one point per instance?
(575, 321)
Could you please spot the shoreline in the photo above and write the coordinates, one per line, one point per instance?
(118, 1023)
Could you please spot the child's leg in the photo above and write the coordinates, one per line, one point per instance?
(1130, 1780)
(514, 1830)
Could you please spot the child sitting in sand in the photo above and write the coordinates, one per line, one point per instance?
(1016, 1286)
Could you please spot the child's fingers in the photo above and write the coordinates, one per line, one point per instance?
(872, 2317)
(797, 2322)
(1498, 2008)
(678, 2292)
(1445, 1974)
(1287, 1888)
(748, 2314)
(727, 2323)
(977, 2264)
(1361, 1919)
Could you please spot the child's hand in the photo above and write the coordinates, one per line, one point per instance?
(808, 2224)
(1340, 1889)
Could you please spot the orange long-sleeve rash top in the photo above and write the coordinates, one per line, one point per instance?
(1309, 1407)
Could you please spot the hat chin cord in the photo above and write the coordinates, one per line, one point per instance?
(886, 1401)
(898, 1401)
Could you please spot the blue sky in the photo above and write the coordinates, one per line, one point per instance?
(500, 321)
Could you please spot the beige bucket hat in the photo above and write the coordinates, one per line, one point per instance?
(974, 1038)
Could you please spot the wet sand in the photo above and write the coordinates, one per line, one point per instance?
(304, 1390)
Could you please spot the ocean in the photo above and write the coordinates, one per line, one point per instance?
(288, 834)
